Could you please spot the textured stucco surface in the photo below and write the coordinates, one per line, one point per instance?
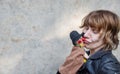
(34, 34)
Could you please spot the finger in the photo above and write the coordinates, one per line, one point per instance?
(77, 50)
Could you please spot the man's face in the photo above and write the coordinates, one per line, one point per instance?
(93, 40)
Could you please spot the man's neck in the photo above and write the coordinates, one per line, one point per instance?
(92, 51)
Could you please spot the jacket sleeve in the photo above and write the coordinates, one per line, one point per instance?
(110, 67)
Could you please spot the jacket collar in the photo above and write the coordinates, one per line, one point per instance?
(99, 54)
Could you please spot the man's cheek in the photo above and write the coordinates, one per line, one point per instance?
(95, 38)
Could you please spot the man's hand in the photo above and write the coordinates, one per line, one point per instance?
(73, 62)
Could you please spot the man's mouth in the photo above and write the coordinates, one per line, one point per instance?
(86, 42)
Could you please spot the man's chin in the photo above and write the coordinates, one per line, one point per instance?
(87, 46)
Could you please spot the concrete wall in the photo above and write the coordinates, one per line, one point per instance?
(34, 34)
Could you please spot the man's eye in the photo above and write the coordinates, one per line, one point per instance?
(86, 28)
(94, 31)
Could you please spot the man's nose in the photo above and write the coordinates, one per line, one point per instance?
(87, 33)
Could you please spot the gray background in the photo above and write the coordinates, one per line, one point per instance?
(34, 34)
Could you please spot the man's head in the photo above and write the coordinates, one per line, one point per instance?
(105, 23)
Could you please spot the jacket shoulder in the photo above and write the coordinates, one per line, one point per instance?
(109, 65)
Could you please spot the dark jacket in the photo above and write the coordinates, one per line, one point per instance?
(102, 62)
